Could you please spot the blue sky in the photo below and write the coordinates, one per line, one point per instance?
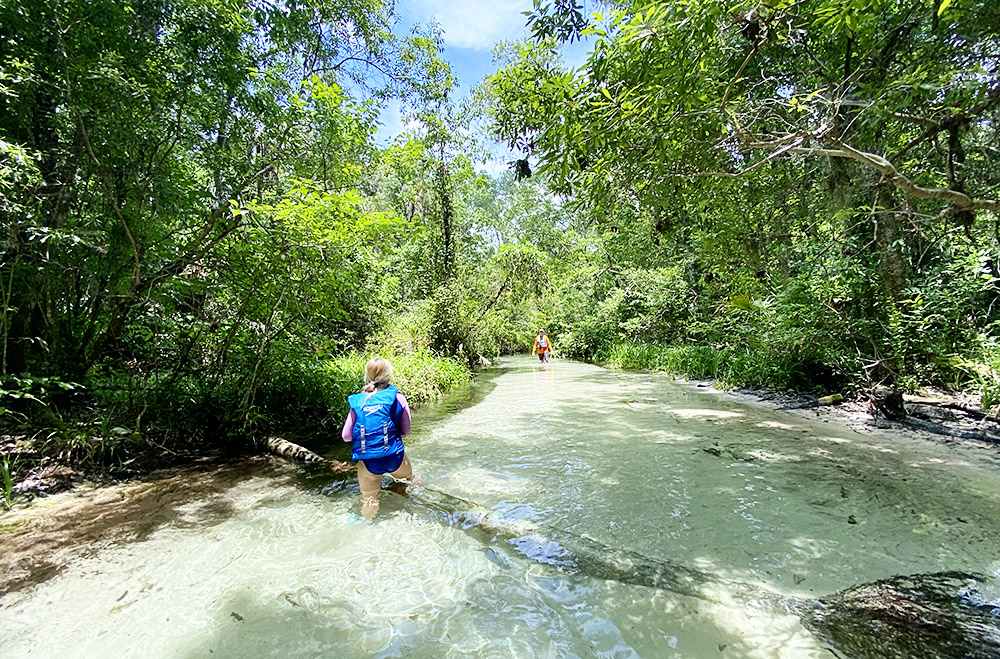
(471, 28)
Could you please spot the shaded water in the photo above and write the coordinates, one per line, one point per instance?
(281, 566)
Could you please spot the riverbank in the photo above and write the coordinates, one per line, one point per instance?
(41, 536)
(306, 406)
(933, 417)
(936, 415)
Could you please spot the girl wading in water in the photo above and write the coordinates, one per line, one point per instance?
(379, 418)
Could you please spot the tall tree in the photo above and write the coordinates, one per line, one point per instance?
(150, 124)
(819, 151)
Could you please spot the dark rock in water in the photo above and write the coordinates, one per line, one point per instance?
(923, 615)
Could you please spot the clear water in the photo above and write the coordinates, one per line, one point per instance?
(637, 461)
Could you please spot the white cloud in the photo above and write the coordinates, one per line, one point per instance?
(473, 24)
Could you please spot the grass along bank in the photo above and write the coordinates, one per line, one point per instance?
(127, 430)
(730, 366)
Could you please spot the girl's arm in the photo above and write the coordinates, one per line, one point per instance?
(404, 415)
(347, 432)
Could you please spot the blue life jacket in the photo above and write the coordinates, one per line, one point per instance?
(376, 432)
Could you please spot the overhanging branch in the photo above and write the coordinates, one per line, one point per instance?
(836, 148)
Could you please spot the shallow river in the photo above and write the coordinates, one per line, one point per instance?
(282, 566)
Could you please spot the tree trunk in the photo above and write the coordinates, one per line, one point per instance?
(444, 194)
(889, 239)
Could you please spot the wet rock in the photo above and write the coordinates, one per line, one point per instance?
(924, 615)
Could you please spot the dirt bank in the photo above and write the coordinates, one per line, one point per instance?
(39, 537)
(934, 417)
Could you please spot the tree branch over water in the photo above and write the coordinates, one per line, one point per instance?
(840, 149)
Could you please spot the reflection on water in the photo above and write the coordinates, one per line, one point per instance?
(632, 461)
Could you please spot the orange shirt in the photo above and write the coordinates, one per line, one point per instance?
(548, 348)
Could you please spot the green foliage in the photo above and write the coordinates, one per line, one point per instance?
(183, 227)
(728, 208)
(110, 447)
(676, 91)
(25, 398)
(7, 474)
(606, 307)
(761, 364)
(141, 146)
(420, 376)
(298, 392)
(424, 376)
(702, 362)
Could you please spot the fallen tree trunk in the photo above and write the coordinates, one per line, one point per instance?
(832, 399)
(923, 615)
(290, 450)
(935, 614)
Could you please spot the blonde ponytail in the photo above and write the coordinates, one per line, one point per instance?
(378, 371)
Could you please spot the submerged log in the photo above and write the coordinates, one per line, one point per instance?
(939, 429)
(923, 615)
(562, 549)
